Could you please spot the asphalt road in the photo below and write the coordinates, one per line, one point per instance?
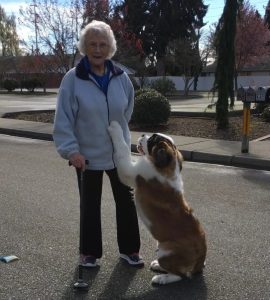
(39, 224)
(17, 102)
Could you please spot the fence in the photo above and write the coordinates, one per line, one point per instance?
(206, 83)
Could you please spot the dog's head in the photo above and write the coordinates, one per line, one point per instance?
(160, 149)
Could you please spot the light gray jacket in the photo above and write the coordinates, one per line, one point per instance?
(84, 112)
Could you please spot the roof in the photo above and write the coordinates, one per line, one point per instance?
(263, 66)
(10, 64)
(128, 70)
(16, 64)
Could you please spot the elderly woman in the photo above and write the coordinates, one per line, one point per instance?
(90, 96)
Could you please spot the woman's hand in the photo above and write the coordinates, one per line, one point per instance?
(78, 161)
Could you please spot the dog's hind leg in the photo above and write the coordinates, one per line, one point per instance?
(162, 279)
(154, 266)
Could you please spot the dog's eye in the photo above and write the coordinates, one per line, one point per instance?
(152, 141)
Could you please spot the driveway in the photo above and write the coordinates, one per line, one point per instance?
(15, 103)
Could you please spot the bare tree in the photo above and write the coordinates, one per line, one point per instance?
(96, 9)
(56, 27)
(207, 42)
(252, 39)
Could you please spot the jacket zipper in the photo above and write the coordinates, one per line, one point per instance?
(108, 108)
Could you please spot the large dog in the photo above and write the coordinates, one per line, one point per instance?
(157, 181)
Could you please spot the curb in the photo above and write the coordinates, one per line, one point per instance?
(188, 155)
(27, 134)
(220, 159)
(209, 115)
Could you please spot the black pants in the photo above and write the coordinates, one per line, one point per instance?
(128, 236)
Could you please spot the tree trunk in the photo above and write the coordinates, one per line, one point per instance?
(187, 84)
(224, 76)
(235, 88)
(186, 80)
(160, 66)
(196, 78)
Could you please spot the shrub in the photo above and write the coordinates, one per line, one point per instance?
(266, 114)
(163, 85)
(141, 91)
(259, 107)
(30, 84)
(150, 108)
(10, 84)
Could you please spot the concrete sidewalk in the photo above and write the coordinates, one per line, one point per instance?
(193, 149)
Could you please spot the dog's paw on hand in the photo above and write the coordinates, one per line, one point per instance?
(114, 127)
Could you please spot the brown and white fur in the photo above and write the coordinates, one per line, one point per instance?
(157, 181)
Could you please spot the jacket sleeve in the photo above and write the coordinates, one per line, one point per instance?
(130, 95)
(65, 118)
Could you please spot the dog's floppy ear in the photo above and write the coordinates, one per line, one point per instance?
(180, 159)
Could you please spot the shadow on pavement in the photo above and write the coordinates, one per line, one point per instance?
(187, 289)
(120, 283)
(88, 276)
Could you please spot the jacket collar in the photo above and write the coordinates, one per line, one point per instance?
(83, 73)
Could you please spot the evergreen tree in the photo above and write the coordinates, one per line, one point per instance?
(9, 40)
(267, 15)
(224, 75)
(157, 23)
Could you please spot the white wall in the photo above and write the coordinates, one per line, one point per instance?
(206, 83)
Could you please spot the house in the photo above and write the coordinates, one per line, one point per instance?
(258, 69)
(44, 67)
(24, 67)
(129, 71)
(250, 75)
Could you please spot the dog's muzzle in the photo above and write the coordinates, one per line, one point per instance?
(142, 144)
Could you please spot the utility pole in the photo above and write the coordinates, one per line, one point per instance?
(36, 26)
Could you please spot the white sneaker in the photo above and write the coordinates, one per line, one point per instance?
(133, 259)
(88, 261)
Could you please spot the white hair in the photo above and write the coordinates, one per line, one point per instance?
(97, 27)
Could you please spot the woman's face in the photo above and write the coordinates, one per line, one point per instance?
(97, 49)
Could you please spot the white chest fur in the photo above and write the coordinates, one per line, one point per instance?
(146, 169)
